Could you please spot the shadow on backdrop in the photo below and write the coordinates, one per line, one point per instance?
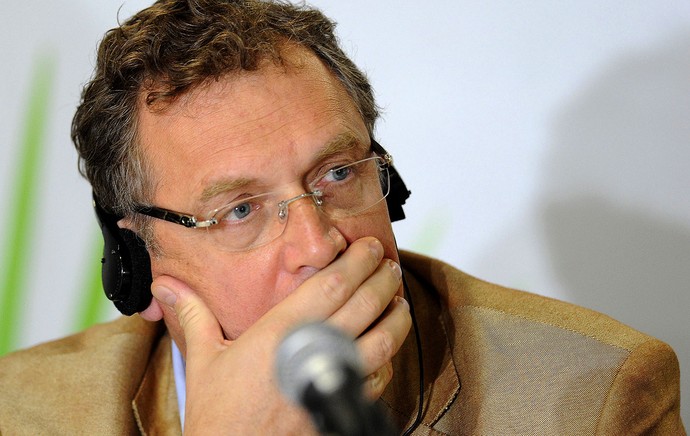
(614, 202)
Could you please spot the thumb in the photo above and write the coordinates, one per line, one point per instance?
(199, 326)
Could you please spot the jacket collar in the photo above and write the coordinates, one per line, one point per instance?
(155, 403)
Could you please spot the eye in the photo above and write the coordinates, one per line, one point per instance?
(246, 209)
(338, 174)
(240, 212)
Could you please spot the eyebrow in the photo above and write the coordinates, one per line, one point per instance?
(341, 143)
(225, 186)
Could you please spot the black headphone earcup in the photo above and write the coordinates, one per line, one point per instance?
(136, 296)
(126, 264)
(397, 195)
(397, 191)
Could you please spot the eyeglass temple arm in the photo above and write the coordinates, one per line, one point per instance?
(398, 191)
(168, 215)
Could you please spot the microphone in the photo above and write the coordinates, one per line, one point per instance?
(319, 368)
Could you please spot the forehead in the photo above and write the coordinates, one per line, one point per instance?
(271, 122)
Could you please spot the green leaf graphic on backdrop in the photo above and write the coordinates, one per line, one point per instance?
(20, 236)
(432, 233)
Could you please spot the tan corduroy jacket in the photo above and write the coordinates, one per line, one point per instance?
(496, 361)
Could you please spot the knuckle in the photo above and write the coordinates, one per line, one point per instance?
(369, 304)
(385, 347)
(187, 315)
(377, 381)
(334, 288)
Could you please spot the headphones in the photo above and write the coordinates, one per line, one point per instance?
(126, 265)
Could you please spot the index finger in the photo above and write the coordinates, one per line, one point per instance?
(329, 289)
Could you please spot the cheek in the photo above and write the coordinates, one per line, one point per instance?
(238, 288)
(238, 291)
(376, 224)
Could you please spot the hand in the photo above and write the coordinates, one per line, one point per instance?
(230, 384)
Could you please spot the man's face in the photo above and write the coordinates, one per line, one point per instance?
(270, 130)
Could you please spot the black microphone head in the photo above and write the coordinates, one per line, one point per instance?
(314, 356)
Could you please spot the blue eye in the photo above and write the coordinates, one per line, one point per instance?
(340, 174)
(239, 212)
(245, 210)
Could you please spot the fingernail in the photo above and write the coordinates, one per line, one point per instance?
(402, 301)
(396, 268)
(165, 295)
(375, 247)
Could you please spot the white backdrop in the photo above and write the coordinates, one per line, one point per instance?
(547, 145)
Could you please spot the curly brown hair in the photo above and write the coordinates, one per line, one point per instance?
(169, 49)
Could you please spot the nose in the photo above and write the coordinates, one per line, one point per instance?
(283, 206)
(310, 239)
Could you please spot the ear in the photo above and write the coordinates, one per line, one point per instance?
(152, 313)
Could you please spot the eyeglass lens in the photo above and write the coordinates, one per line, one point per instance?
(339, 193)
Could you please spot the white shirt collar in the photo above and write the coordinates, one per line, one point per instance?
(180, 380)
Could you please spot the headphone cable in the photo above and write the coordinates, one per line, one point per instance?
(420, 360)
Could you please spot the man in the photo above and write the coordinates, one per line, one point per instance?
(235, 139)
